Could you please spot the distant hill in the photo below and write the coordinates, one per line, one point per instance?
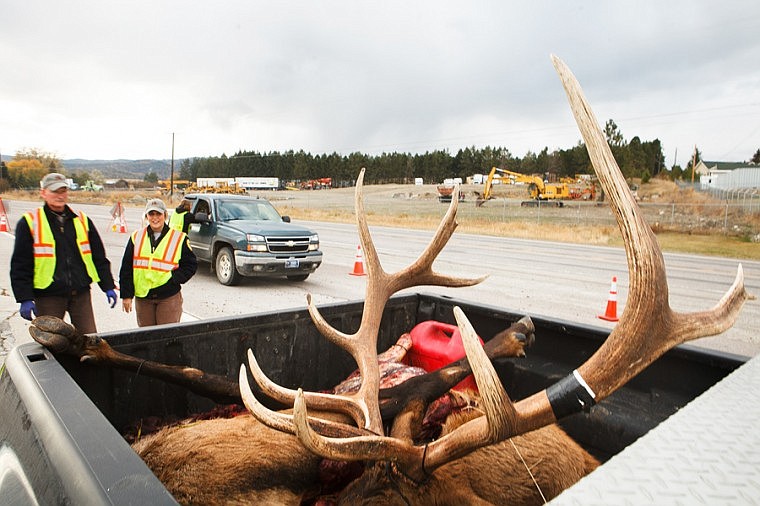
(123, 169)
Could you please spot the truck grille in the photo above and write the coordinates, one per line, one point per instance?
(288, 244)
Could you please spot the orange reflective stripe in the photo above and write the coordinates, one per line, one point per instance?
(84, 244)
(138, 247)
(155, 265)
(174, 243)
(37, 228)
(41, 249)
(166, 261)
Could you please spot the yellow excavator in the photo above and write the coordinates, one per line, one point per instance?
(537, 188)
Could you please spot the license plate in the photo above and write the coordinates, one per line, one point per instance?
(291, 264)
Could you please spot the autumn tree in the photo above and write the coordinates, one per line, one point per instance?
(29, 166)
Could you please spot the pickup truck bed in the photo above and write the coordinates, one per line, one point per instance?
(61, 420)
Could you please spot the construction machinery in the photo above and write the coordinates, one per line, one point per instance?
(538, 189)
(446, 191)
(165, 185)
(218, 187)
(91, 186)
(317, 184)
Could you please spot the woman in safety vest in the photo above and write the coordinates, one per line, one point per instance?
(157, 260)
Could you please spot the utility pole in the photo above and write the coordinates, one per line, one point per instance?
(693, 163)
(171, 177)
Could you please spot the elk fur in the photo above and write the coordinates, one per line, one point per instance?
(241, 461)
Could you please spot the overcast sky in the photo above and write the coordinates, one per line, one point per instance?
(98, 79)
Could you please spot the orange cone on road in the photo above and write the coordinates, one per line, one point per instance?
(3, 218)
(611, 313)
(120, 225)
(358, 263)
(119, 221)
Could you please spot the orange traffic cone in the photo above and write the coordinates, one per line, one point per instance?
(119, 222)
(3, 218)
(122, 225)
(611, 313)
(358, 263)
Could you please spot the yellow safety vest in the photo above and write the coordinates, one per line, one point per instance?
(177, 220)
(152, 269)
(44, 247)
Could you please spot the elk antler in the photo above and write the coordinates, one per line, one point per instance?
(647, 328)
(362, 406)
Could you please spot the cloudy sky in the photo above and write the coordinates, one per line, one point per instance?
(99, 79)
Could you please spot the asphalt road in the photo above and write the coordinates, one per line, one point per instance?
(563, 281)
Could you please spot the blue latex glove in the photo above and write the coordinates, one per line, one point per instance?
(112, 297)
(27, 308)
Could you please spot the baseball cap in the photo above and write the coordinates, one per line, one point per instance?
(155, 205)
(53, 181)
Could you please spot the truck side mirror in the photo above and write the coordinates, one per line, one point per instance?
(286, 219)
(202, 218)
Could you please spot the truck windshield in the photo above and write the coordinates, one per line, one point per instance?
(257, 210)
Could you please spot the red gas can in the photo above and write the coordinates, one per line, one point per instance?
(435, 345)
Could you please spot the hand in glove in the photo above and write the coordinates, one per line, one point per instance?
(112, 297)
(27, 308)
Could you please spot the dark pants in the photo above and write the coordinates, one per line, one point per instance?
(78, 305)
(158, 311)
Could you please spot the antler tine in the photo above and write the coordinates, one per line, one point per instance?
(287, 396)
(347, 448)
(421, 271)
(284, 422)
(494, 399)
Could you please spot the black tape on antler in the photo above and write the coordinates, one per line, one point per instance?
(570, 395)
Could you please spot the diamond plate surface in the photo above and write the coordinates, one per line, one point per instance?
(707, 453)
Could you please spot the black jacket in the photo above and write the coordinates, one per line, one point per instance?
(70, 271)
(188, 264)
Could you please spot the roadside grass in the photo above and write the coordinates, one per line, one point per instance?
(696, 244)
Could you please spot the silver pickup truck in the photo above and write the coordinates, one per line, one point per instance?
(246, 236)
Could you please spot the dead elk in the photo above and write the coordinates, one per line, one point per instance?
(240, 460)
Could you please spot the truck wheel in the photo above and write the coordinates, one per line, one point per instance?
(298, 277)
(226, 272)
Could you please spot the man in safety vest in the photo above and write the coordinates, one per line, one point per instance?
(182, 217)
(57, 255)
(157, 261)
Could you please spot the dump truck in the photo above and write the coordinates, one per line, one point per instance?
(62, 421)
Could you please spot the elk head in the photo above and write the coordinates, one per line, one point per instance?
(647, 328)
